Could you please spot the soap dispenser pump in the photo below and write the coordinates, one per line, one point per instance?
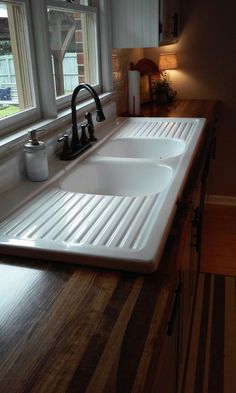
(36, 158)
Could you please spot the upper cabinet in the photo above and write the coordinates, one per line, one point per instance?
(144, 24)
(135, 23)
(169, 21)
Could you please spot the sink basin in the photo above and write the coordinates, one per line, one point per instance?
(158, 148)
(118, 178)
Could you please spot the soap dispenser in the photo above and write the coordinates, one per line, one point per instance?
(36, 158)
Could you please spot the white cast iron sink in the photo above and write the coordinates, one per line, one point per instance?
(157, 149)
(114, 207)
(118, 177)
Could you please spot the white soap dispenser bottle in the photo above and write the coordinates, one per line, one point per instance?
(36, 158)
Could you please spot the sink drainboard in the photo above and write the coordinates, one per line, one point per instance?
(75, 219)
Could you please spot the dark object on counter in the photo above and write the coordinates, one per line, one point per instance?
(164, 93)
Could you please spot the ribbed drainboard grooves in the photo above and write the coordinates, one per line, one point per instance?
(92, 220)
(158, 129)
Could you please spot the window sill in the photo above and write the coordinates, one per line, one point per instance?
(13, 142)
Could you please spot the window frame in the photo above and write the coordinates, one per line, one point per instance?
(47, 105)
(62, 102)
(31, 114)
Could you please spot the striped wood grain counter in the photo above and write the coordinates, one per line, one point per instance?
(71, 329)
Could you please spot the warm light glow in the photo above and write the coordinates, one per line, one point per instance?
(167, 61)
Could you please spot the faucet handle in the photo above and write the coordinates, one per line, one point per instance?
(90, 126)
(66, 148)
(65, 138)
(84, 140)
(88, 116)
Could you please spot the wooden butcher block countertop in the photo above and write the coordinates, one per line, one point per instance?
(67, 328)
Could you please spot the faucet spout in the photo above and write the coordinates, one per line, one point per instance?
(75, 143)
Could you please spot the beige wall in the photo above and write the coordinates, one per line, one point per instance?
(207, 69)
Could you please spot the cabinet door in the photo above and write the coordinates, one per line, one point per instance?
(189, 261)
(198, 204)
(135, 23)
(185, 257)
(167, 375)
(169, 21)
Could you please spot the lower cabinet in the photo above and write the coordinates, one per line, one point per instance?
(174, 353)
(167, 376)
(175, 345)
(188, 274)
(189, 260)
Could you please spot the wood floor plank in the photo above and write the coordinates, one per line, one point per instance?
(212, 356)
(216, 365)
(202, 343)
(230, 336)
(188, 386)
(219, 240)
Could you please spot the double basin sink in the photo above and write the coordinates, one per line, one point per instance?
(133, 177)
(114, 208)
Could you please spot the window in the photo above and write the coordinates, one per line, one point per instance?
(73, 44)
(47, 47)
(16, 87)
(91, 3)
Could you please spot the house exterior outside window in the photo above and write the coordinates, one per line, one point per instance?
(16, 92)
(73, 43)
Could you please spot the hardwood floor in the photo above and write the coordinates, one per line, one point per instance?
(212, 351)
(212, 355)
(219, 240)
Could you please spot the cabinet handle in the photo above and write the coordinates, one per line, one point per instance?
(214, 148)
(196, 217)
(174, 311)
(175, 18)
(196, 224)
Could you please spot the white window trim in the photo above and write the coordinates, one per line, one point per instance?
(32, 114)
(61, 102)
(49, 113)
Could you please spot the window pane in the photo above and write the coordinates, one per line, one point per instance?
(73, 42)
(15, 75)
(90, 3)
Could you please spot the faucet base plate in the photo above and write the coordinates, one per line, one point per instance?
(74, 154)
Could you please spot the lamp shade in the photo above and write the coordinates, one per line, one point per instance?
(167, 61)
